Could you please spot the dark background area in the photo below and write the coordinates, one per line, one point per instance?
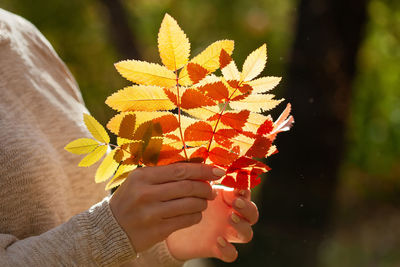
(332, 197)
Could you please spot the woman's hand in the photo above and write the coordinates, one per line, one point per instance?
(153, 202)
(226, 220)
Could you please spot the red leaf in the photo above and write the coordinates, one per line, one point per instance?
(259, 148)
(198, 131)
(196, 72)
(199, 155)
(216, 91)
(246, 162)
(224, 59)
(222, 156)
(229, 181)
(168, 123)
(254, 177)
(242, 180)
(265, 128)
(192, 98)
(222, 137)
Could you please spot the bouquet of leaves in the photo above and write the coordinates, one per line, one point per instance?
(181, 112)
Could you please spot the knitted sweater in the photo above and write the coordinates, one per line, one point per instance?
(46, 212)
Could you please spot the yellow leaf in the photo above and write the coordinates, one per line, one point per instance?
(254, 63)
(94, 156)
(116, 181)
(203, 113)
(173, 45)
(256, 102)
(140, 98)
(231, 72)
(264, 84)
(141, 72)
(106, 168)
(96, 129)
(81, 146)
(208, 59)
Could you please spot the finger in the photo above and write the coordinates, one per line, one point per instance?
(173, 224)
(224, 250)
(247, 209)
(183, 171)
(244, 207)
(184, 188)
(245, 193)
(181, 206)
(241, 230)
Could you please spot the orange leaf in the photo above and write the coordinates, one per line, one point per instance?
(199, 155)
(196, 72)
(224, 59)
(241, 91)
(216, 91)
(222, 156)
(168, 155)
(198, 131)
(192, 98)
(222, 137)
(259, 148)
(168, 123)
(232, 119)
(171, 96)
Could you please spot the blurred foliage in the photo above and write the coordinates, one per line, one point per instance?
(374, 128)
(365, 226)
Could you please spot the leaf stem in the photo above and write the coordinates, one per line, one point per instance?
(219, 118)
(178, 101)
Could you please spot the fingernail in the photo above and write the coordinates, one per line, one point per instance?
(235, 218)
(239, 203)
(218, 172)
(221, 241)
(242, 193)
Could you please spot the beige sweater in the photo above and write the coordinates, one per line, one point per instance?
(46, 212)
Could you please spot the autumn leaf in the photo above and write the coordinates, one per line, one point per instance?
(107, 168)
(208, 59)
(81, 146)
(93, 156)
(140, 98)
(256, 103)
(221, 156)
(196, 72)
(264, 84)
(96, 129)
(254, 63)
(173, 45)
(145, 73)
(199, 131)
(192, 98)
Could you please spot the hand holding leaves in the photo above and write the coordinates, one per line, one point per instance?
(180, 111)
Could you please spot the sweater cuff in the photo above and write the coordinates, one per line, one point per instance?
(161, 252)
(108, 242)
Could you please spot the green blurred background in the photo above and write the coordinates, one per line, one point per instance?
(360, 223)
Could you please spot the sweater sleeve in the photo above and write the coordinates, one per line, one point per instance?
(92, 238)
